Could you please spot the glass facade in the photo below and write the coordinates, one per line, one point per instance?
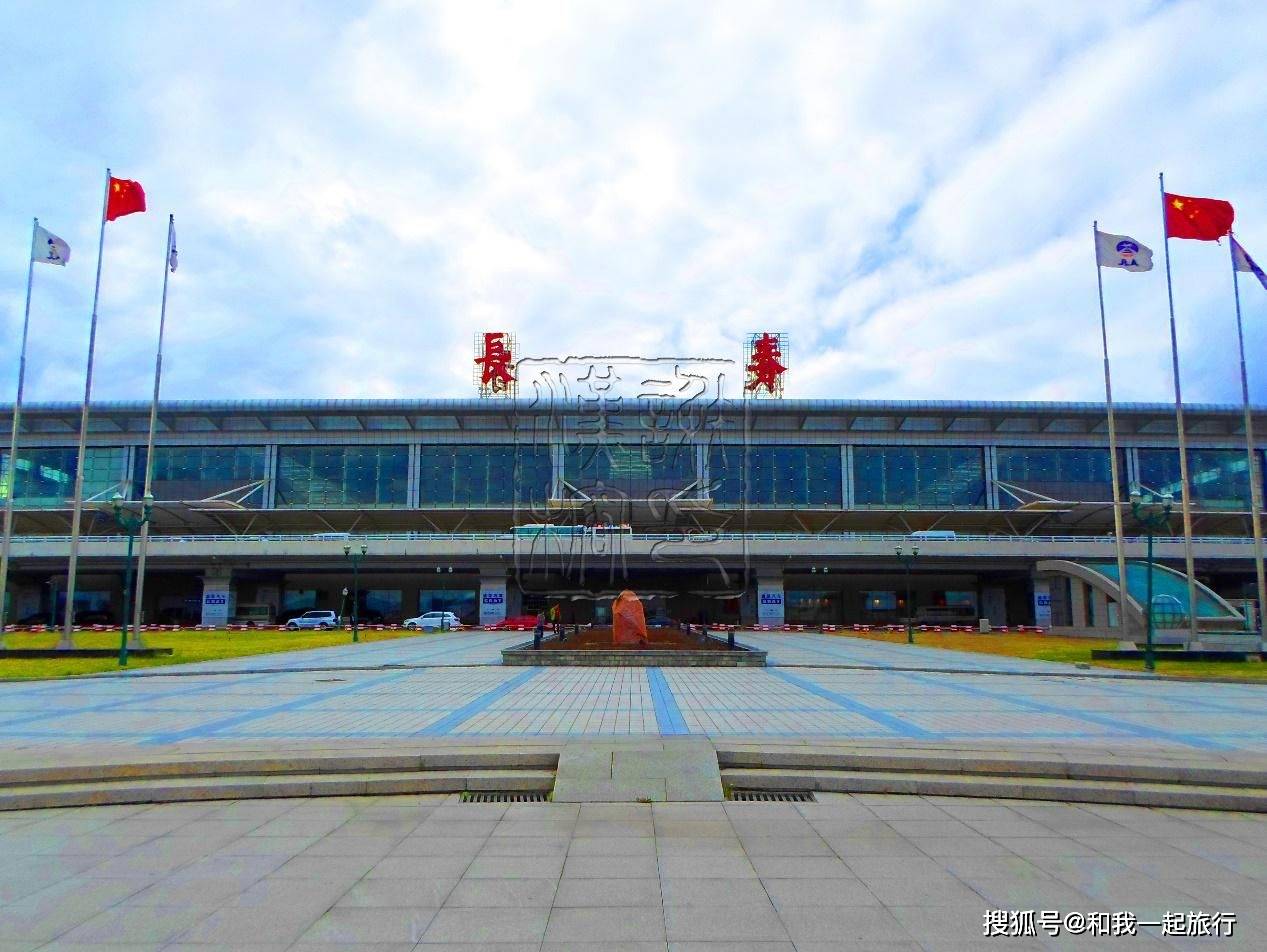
(45, 476)
(775, 475)
(198, 472)
(1220, 478)
(629, 470)
(364, 476)
(484, 475)
(919, 477)
(1077, 475)
(463, 602)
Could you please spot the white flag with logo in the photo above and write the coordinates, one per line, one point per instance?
(1119, 251)
(171, 249)
(48, 248)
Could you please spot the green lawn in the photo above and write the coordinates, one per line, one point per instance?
(188, 646)
(1070, 650)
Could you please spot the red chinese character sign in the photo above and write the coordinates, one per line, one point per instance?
(495, 364)
(767, 353)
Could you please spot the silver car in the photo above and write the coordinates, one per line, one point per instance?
(322, 620)
(434, 621)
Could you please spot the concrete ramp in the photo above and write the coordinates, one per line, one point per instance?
(616, 772)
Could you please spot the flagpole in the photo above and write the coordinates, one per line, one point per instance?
(1190, 563)
(68, 622)
(13, 440)
(1255, 484)
(144, 539)
(1113, 470)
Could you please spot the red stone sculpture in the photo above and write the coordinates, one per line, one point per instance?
(629, 624)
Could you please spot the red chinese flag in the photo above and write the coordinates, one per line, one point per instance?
(1205, 219)
(125, 197)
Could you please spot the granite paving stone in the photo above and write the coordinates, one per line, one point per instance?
(817, 685)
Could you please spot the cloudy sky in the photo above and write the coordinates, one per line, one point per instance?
(905, 188)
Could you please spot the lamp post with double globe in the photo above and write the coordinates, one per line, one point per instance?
(130, 523)
(1151, 511)
(355, 558)
(907, 561)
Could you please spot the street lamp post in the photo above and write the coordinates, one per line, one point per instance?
(131, 524)
(907, 561)
(355, 559)
(1153, 513)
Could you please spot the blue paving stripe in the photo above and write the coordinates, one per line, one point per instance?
(668, 715)
(215, 727)
(468, 710)
(862, 652)
(1100, 720)
(1197, 703)
(883, 718)
(127, 702)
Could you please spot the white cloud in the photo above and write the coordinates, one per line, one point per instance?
(904, 189)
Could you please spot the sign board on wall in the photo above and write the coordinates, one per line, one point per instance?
(1042, 603)
(770, 602)
(217, 603)
(492, 601)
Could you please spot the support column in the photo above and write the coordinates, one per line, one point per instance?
(413, 494)
(1078, 603)
(492, 597)
(217, 597)
(770, 599)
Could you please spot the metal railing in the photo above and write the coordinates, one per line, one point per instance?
(683, 537)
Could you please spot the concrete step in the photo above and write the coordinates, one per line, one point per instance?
(267, 765)
(978, 784)
(88, 792)
(1014, 765)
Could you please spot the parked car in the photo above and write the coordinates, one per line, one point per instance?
(321, 620)
(515, 622)
(434, 621)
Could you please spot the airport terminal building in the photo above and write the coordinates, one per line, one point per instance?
(735, 511)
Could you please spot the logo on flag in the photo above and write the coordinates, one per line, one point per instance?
(1120, 251)
(1241, 261)
(47, 248)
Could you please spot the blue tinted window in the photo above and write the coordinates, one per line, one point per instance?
(630, 470)
(919, 477)
(775, 475)
(342, 476)
(198, 472)
(1077, 475)
(1220, 478)
(45, 476)
(466, 476)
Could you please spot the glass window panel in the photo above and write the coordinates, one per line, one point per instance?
(775, 475)
(199, 472)
(45, 476)
(484, 475)
(1079, 475)
(630, 470)
(369, 476)
(919, 477)
(1220, 478)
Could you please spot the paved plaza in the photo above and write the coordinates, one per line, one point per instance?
(393, 874)
(451, 686)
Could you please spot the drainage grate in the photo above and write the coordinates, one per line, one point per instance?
(503, 796)
(774, 796)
